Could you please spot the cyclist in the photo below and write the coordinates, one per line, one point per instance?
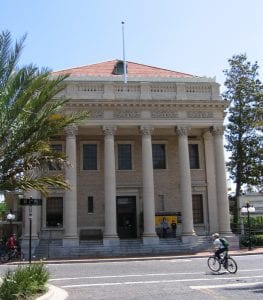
(11, 242)
(219, 247)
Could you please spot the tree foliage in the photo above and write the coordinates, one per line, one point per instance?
(244, 129)
(28, 119)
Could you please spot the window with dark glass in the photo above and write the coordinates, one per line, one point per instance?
(194, 156)
(198, 216)
(90, 157)
(90, 204)
(124, 157)
(53, 165)
(119, 68)
(54, 212)
(159, 160)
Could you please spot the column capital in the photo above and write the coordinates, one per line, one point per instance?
(182, 130)
(207, 135)
(217, 130)
(147, 130)
(109, 129)
(71, 130)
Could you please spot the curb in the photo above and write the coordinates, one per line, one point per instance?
(54, 292)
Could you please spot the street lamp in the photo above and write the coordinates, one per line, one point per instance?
(30, 228)
(10, 217)
(248, 209)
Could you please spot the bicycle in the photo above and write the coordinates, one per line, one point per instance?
(215, 264)
(10, 254)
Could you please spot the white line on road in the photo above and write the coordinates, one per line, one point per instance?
(157, 281)
(123, 276)
(140, 275)
(230, 285)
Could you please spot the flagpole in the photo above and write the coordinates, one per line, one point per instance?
(124, 60)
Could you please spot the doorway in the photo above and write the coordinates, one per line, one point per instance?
(126, 217)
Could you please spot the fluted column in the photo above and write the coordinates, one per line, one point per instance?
(149, 234)
(221, 185)
(70, 198)
(185, 183)
(211, 182)
(110, 231)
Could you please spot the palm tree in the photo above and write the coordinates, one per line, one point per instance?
(28, 119)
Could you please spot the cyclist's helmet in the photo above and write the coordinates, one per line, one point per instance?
(215, 235)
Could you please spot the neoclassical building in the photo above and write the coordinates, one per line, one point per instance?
(151, 147)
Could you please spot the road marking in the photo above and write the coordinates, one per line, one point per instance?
(121, 276)
(141, 275)
(230, 285)
(156, 281)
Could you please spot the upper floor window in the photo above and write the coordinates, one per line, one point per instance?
(194, 156)
(58, 148)
(124, 157)
(159, 158)
(90, 157)
(198, 216)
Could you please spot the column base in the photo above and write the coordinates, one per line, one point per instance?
(112, 240)
(186, 239)
(150, 239)
(71, 241)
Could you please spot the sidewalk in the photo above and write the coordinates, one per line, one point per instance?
(244, 251)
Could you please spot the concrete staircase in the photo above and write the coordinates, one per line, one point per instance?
(131, 247)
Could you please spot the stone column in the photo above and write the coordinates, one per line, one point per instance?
(211, 182)
(70, 198)
(221, 185)
(149, 234)
(185, 185)
(110, 232)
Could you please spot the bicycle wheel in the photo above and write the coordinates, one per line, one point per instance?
(4, 257)
(213, 264)
(231, 265)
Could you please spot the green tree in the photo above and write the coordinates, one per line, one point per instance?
(29, 118)
(244, 127)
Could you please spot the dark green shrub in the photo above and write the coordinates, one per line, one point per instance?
(24, 282)
(256, 240)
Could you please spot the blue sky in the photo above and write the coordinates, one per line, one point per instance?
(192, 36)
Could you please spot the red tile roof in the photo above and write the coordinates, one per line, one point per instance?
(105, 69)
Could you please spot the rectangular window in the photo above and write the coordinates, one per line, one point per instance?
(198, 216)
(90, 157)
(124, 157)
(90, 204)
(159, 159)
(57, 148)
(54, 212)
(194, 156)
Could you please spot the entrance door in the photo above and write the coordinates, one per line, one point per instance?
(126, 217)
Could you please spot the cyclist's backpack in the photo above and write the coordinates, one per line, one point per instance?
(224, 242)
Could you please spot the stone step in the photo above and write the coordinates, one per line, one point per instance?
(95, 248)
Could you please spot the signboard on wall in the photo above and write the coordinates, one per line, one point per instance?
(169, 218)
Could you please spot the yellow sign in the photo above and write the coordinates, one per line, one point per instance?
(170, 219)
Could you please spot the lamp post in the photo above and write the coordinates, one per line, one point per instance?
(30, 228)
(248, 209)
(10, 217)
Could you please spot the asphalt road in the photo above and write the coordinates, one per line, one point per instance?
(155, 279)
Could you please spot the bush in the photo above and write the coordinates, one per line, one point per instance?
(24, 282)
(256, 240)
